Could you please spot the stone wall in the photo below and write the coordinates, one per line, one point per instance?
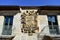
(43, 23)
(58, 19)
(16, 30)
(1, 24)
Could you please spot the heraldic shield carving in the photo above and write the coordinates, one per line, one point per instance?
(29, 22)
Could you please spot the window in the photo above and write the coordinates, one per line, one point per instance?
(8, 22)
(53, 24)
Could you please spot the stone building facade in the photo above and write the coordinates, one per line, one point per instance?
(28, 22)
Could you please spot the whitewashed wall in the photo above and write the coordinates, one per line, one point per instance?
(16, 27)
(43, 22)
(1, 24)
(58, 19)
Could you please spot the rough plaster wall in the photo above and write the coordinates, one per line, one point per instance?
(26, 37)
(58, 19)
(1, 24)
(43, 22)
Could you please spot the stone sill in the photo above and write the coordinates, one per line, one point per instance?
(7, 36)
(53, 35)
(50, 35)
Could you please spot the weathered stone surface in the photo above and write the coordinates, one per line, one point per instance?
(1, 24)
(43, 22)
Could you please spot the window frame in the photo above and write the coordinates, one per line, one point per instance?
(54, 28)
(6, 27)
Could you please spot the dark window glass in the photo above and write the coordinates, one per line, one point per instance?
(6, 20)
(7, 29)
(11, 20)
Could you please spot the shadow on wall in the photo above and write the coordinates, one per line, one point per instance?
(47, 38)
